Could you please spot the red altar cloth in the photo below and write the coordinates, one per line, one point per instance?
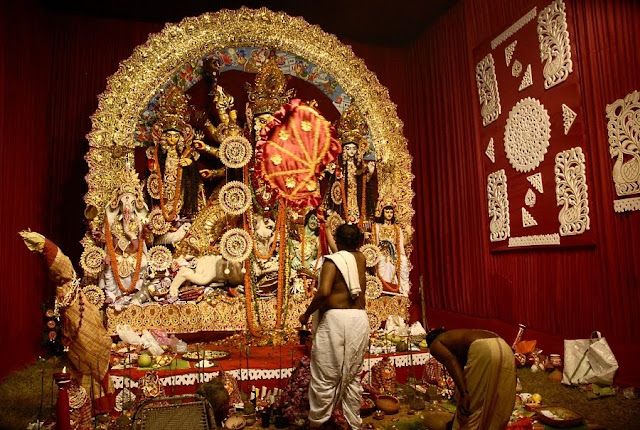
(267, 366)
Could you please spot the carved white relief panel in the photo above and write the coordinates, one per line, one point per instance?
(513, 28)
(516, 69)
(536, 240)
(527, 218)
(571, 192)
(624, 143)
(498, 206)
(530, 198)
(527, 79)
(490, 151)
(555, 49)
(508, 52)
(488, 90)
(526, 135)
(627, 205)
(568, 116)
(536, 182)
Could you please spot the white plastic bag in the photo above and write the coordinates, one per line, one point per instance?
(588, 361)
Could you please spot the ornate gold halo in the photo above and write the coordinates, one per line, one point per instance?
(235, 152)
(336, 193)
(234, 198)
(151, 65)
(92, 260)
(334, 221)
(371, 254)
(153, 186)
(94, 294)
(374, 287)
(160, 258)
(236, 245)
(158, 223)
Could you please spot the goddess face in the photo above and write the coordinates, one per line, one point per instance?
(350, 149)
(172, 137)
(388, 214)
(260, 121)
(312, 223)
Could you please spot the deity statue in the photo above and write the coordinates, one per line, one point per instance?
(351, 191)
(265, 267)
(174, 179)
(267, 94)
(393, 266)
(125, 238)
(306, 250)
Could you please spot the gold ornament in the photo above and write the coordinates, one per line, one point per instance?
(94, 294)
(269, 90)
(235, 152)
(158, 223)
(92, 260)
(374, 287)
(236, 245)
(234, 198)
(128, 183)
(383, 202)
(334, 221)
(336, 193)
(374, 322)
(352, 128)
(174, 110)
(371, 254)
(153, 186)
(125, 266)
(159, 258)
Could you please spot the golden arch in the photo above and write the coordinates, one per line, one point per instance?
(112, 138)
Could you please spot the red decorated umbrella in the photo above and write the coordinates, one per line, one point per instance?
(294, 150)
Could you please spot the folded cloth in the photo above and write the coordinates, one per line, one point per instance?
(346, 263)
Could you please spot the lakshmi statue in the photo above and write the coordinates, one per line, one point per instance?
(174, 179)
(351, 188)
(393, 266)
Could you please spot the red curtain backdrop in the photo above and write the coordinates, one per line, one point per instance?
(558, 294)
(53, 67)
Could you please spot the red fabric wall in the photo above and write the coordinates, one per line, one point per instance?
(558, 294)
(53, 67)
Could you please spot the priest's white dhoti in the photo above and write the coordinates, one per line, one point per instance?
(340, 343)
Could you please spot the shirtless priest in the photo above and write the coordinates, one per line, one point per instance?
(483, 367)
(341, 329)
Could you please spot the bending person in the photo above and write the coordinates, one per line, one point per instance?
(342, 335)
(487, 385)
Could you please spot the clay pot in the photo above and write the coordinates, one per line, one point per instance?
(388, 404)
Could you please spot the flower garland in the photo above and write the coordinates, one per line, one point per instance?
(363, 205)
(281, 261)
(286, 287)
(176, 197)
(114, 262)
(390, 285)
